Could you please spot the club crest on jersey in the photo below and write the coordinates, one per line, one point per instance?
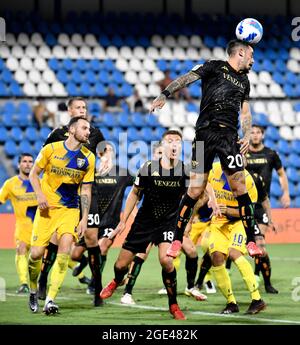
(80, 162)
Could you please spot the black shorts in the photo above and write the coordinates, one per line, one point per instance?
(217, 141)
(140, 236)
(93, 217)
(260, 215)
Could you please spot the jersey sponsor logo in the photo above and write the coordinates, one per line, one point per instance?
(80, 162)
(106, 181)
(161, 183)
(155, 173)
(257, 160)
(66, 172)
(234, 81)
(225, 68)
(60, 158)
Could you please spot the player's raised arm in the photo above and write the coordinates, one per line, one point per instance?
(175, 85)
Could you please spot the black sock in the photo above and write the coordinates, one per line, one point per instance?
(204, 268)
(133, 273)
(266, 269)
(83, 262)
(191, 266)
(120, 274)
(257, 267)
(94, 262)
(170, 283)
(49, 258)
(228, 263)
(246, 209)
(102, 262)
(184, 214)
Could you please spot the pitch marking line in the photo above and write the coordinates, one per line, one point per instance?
(140, 306)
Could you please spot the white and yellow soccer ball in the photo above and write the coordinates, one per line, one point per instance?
(249, 30)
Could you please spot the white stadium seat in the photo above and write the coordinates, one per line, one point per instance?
(37, 39)
(30, 89)
(192, 118)
(149, 65)
(63, 40)
(72, 52)
(43, 89)
(48, 76)
(154, 90)
(126, 52)
(21, 76)
(12, 63)
(122, 65)
(58, 90)
(179, 53)
(85, 52)
(170, 41)
(196, 41)
(286, 133)
(76, 40)
(188, 133)
(139, 53)
(183, 41)
(17, 51)
(44, 52)
(99, 53)
(112, 52)
(34, 76)
(58, 52)
(90, 40)
(259, 107)
(135, 65)
(131, 77)
(10, 39)
(293, 66)
(4, 51)
(40, 64)
(31, 51)
(276, 119)
(153, 53)
(296, 132)
(205, 54)
(157, 76)
(193, 54)
(23, 39)
(166, 53)
(157, 41)
(295, 53)
(145, 77)
(26, 63)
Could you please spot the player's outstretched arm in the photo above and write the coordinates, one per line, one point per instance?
(246, 123)
(131, 201)
(267, 208)
(175, 85)
(36, 185)
(85, 200)
(283, 180)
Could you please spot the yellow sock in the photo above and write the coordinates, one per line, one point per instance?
(223, 281)
(22, 268)
(59, 271)
(176, 262)
(247, 273)
(34, 268)
(72, 264)
(208, 276)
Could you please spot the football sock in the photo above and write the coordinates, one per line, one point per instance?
(133, 273)
(204, 268)
(102, 262)
(191, 266)
(47, 262)
(247, 273)
(266, 269)
(246, 210)
(170, 283)
(58, 274)
(72, 264)
(94, 262)
(184, 214)
(228, 264)
(120, 274)
(176, 262)
(34, 267)
(22, 268)
(224, 283)
(257, 267)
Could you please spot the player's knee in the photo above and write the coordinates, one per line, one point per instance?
(234, 254)
(36, 253)
(217, 259)
(167, 263)
(104, 246)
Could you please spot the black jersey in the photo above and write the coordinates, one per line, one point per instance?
(62, 133)
(260, 186)
(162, 192)
(263, 162)
(223, 92)
(109, 192)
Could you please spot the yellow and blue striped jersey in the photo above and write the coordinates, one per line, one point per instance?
(64, 171)
(222, 189)
(22, 197)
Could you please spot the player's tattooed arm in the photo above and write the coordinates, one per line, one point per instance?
(85, 199)
(175, 85)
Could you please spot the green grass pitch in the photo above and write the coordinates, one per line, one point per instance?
(151, 309)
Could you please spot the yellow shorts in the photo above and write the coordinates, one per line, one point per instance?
(197, 230)
(61, 220)
(23, 232)
(205, 239)
(227, 235)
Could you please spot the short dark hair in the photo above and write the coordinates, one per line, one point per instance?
(73, 99)
(234, 44)
(75, 119)
(262, 129)
(156, 146)
(24, 154)
(172, 132)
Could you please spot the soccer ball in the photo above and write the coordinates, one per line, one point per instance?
(249, 30)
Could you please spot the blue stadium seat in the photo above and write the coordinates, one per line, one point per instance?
(109, 120)
(106, 132)
(24, 108)
(116, 131)
(283, 147)
(191, 107)
(62, 76)
(297, 202)
(72, 89)
(44, 132)
(275, 189)
(133, 134)
(293, 190)
(67, 64)
(76, 76)
(124, 120)
(9, 107)
(151, 120)
(16, 134)
(99, 90)
(54, 64)
(138, 120)
(14, 89)
(25, 147)
(90, 77)
(95, 65)
(3, 134)
(275, 203)
(295, 146)
(11, 148)
(37, 146)
(294, 160)
(31, 134)
(272, 132)
(292, 174)
(158, 132)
